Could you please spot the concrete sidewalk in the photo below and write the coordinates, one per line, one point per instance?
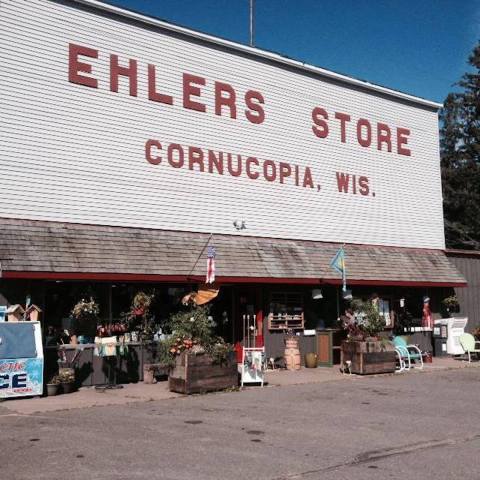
(139, 392)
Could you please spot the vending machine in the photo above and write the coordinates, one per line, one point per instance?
(21, 359)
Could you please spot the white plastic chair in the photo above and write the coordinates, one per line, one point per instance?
(470, 345)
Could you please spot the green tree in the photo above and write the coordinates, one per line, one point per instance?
(460, 152)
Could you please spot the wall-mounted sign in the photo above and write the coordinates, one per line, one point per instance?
(111, 123)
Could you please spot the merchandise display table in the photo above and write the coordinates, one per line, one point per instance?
(92, 369)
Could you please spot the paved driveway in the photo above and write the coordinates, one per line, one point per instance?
(419, 425)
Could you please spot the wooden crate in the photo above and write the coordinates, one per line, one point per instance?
(369, 357)
(198, 374)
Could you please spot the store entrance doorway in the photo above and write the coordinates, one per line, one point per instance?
(230, 310)
(248, 317)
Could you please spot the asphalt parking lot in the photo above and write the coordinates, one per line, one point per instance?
(419, 425)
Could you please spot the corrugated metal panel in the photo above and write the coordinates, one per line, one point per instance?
(469, 297)
(76, 154)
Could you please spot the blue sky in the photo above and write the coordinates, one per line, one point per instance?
(416, 46)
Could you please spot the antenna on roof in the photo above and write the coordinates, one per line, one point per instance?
(252, 21)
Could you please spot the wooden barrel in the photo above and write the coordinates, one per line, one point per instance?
(292, 358)
(291, 342)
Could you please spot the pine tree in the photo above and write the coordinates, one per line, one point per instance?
(460, 151)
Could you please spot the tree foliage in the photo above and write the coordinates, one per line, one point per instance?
(460, 153)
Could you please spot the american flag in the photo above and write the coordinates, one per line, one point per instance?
(210, 264)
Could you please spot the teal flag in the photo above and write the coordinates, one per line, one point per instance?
(338, 264)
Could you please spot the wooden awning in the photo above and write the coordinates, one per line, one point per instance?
(54, 250)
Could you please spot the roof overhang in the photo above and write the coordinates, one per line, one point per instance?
(62, 251)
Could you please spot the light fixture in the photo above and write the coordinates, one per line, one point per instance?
(239, 224)
(347, 295)
(317, 294)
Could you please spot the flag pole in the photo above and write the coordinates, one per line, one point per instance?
(199, 255)
(337, 291)
(252, 21)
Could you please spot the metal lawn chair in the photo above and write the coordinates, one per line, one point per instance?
(400, 358)
(410, 354)
(470, 345)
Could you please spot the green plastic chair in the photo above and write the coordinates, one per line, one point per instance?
(408, 353)
(469, 344)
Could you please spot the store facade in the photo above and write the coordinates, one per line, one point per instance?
(129, 146)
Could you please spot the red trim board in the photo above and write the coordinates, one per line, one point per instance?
(133, 277)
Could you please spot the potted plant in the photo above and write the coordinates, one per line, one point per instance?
(450, 304)
(86, 309)
(200, 360)
(66, 377)
(139, 318)
(85, 319)
(53, 385)
(311, 360)
(365, 352)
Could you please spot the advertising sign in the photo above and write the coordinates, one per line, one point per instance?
(21, 377)
(107, 121)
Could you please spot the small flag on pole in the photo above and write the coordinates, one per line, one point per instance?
(338, 264)
(210, 264)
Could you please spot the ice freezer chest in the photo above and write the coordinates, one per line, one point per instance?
(21, 359)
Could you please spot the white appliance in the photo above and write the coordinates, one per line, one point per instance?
(455, 327)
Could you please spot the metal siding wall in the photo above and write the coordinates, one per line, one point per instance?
(469, 297)
(73, 153)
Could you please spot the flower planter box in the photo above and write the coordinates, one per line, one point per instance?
(369, 357)
(196, 373)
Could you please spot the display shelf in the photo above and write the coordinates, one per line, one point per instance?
(285, 322)
(286, 311)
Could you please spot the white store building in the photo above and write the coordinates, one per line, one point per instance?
(127, 145)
